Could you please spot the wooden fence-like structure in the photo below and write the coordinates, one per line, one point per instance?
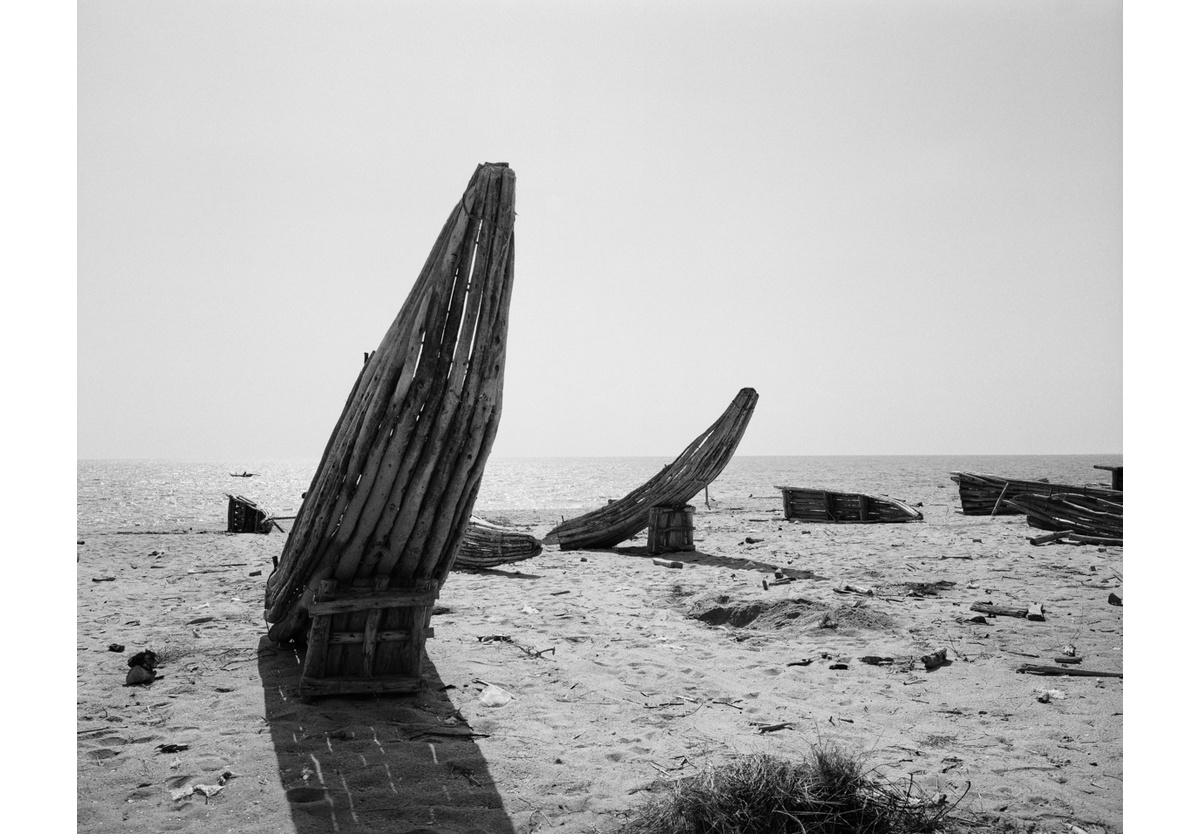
(387, 508)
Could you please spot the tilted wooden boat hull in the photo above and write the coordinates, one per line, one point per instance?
(487, 545)
(825, 507)
(678, 482)
(982, 494)
(393, 493)
(1087, 515)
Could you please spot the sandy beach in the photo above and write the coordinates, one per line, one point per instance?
(616, 674)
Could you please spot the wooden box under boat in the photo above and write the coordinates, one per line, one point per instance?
(366, 636)
(670, 529)
(982, 494)
(827, 507)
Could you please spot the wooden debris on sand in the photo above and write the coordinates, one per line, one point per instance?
(825, 507)
(982, 494)
(678, 482)
(1085, 516)
(486, 545)
(393, 493)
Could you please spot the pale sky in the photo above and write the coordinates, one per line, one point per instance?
(900, 222)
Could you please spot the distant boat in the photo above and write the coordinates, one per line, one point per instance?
(984, 494)
(242, 474)
(825, 507)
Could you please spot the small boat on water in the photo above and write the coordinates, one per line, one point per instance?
(1088, 516)
(826, 507)
(982, 494)
(242, 474)
(486, 545)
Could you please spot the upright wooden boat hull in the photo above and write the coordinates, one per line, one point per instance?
(678, 482)
(393, 493)
(825, 507)
(982, 494)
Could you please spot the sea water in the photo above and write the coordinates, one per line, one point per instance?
(173, 496)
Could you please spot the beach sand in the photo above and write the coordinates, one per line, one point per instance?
(622, 675)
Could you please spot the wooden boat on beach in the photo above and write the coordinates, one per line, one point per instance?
(390, 502)
(1088, 516)
(678, 482)
(826, 507)
(488, 545)
(982, 494)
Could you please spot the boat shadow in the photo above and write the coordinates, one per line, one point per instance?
(375, 763)
(699, 557)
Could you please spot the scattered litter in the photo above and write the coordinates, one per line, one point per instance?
(1045, 696)
(932, 661)
(116, 647)
(104, 579)
(877, 661)
(141, 668)
(494, 696)
(171, 748)
(1113, 599)
(494, 638)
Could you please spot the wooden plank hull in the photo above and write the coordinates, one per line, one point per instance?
(1087, 515)
(393, 493)
(825, 507)
(982, 494)
(678, 482)
(487, 545)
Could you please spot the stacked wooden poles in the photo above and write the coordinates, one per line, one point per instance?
(487, 545)
(400, 473)
(678, 482)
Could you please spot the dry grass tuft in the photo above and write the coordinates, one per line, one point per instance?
(828, 793)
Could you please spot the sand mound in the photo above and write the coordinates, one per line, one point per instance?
(768, 615)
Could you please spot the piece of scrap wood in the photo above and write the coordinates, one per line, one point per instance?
(667, 563)
(770, 728)
(993, 610)
(1030, 669)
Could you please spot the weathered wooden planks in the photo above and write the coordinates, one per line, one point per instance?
(823, 506)
(393, 494)
(487, 545)
(982, 494)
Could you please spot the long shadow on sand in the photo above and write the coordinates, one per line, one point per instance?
(699, 557)
(395, 764)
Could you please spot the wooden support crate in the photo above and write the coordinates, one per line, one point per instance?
(670, 529)
(366, 638)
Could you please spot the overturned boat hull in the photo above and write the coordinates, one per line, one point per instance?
(1087, 515)
(982, 494)
(487, 545)
(825, 507)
